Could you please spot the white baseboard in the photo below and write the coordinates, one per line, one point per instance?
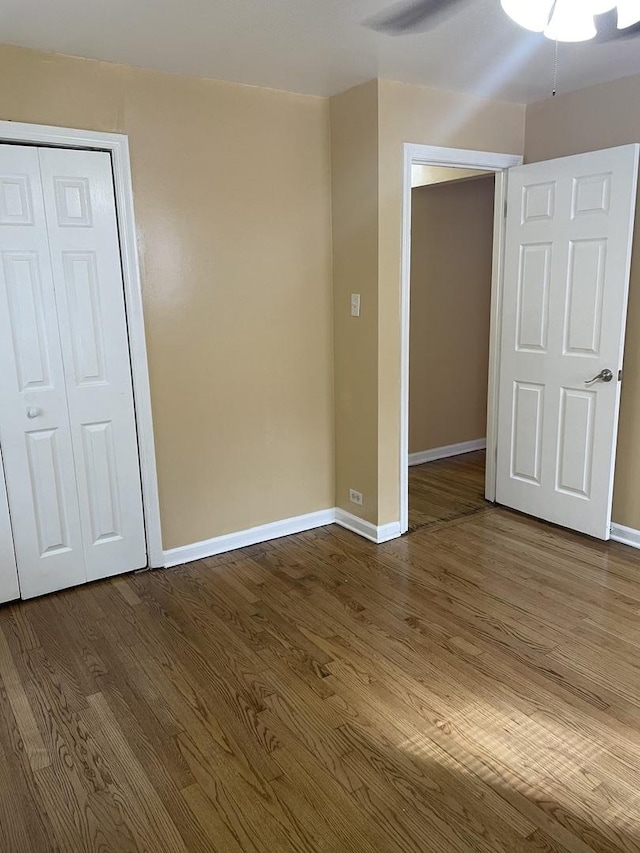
(449, 450)
(380, 534)
(286, 527)
(626, 535)
(252, 536)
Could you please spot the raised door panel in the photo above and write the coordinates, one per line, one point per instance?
(591, 194)
(526, 442)
(533, 297)
(82, 225)
(29, 337)
(576, 449)
(35, 434)
(73, 202)
(538, 202)
(86, 324)
(16, 207)
(585, 297)
(102, 476)
(46, 477)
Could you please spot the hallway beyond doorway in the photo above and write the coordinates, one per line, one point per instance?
(446, 490)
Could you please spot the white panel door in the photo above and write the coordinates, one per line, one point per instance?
(34, 422)
(566, 277)
(85, 256)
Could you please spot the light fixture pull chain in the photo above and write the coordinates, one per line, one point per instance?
(555, 72)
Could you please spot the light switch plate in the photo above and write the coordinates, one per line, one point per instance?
(355, 304)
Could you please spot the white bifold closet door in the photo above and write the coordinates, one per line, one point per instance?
(67, 420)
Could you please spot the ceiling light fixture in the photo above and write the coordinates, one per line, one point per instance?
(569, 20)
(628, 13)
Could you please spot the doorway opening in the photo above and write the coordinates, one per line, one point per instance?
(420, 162)
(452, 224)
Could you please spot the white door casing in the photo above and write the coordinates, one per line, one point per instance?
(34, 421)
(87, 276)
(9, 587)
(566, 275)
(499, 164)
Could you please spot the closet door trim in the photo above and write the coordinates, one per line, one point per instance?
(9, 582)
(117, 145)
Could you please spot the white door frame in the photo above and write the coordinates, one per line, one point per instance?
(429, 155)
(117, 145)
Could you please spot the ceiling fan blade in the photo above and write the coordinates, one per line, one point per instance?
(412, 16)
(607, 26)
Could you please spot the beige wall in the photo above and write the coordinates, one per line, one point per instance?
(232, 188)
(451, 259)
(367, 361)
(232, 195)
(354, 162)
(430, 117)
(602, 117)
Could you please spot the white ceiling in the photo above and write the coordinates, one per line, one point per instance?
(314, 46)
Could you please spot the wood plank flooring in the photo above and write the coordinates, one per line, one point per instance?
(446, 489)
(474, 686)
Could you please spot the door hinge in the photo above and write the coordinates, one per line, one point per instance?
(505, 208)
(620, 376)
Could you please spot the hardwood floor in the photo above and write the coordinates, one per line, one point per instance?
(473, 686)
(447, 489)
